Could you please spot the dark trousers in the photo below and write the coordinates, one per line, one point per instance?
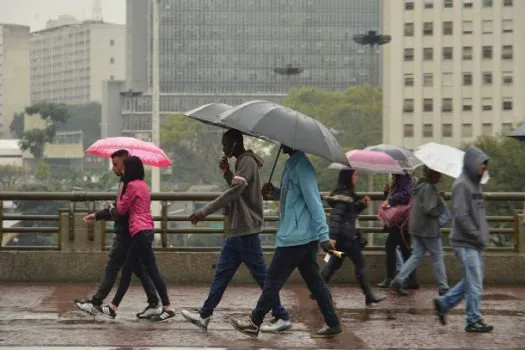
(284, 262)
(116, 259)
(402, 239)
(354, 252)
(235, 251)
(141, 249)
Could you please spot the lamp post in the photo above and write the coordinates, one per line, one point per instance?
(155, 101)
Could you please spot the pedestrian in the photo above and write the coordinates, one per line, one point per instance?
(135, 201)
(469, 238)
(302, 227)
(245, 211)
(424, 228)
(346, 206)
(117, 254)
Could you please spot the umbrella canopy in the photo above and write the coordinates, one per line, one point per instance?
(403, 155)
(519, 133)
(272, 121)
(148, 152)
(372, 161)
(445, 159)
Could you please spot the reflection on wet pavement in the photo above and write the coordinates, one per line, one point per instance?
(42, 316)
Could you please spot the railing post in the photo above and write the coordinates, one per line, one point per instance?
(519, 231)
(164, 224)
(71, 214)
(1, 223)
(91, 229)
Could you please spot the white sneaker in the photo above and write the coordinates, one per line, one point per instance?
(86, 306)
(276, 325)
(150, 311)
(195, 318)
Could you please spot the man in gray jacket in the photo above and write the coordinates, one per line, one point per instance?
(244, 209)
(469, 238)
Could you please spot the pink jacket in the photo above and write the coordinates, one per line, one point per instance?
(136, 203)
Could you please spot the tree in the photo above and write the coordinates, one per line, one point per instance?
(86, 117)
(17, 125)
(10, 177)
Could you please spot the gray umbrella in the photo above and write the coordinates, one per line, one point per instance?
(403, 155)
(519, 133)
(272, 121)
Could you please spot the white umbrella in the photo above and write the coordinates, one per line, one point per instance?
(445, 159)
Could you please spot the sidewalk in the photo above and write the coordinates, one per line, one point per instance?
(42, 316)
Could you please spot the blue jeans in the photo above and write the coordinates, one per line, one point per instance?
(399, 260)
(420, 246)
(237, 250)
(470, 287)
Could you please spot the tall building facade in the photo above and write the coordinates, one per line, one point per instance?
(453, 71)
(237, 50)
(70, 62)
(14, 73)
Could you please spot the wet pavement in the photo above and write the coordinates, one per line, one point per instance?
(42, 316)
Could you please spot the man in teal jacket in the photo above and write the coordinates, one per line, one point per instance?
(302, 227)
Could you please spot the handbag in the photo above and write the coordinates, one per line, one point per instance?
(394, 216)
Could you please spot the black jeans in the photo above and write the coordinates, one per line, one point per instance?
(284, 262)
(116, 259)
(141, 249)
(353, 251)
(402, 239)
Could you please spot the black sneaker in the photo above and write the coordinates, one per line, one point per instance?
(328, 332)
(397, 287)
(479, 327)
(440, 312)
(164, 316)
(443, 291)
(372, 299)
(245, 326)
(150, 311)
(106, 311)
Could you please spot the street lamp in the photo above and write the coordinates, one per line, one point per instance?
(372, 39)
(155, 101)
(288, 70)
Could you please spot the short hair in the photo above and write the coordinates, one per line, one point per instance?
(234, 135)
(121, 153)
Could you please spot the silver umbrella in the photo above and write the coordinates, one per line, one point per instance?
(403, 155)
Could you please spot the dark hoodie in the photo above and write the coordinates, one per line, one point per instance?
(401, 193)
(426, 209)
(469, 221)
(243, 200)
(346, 206)
(121, 225)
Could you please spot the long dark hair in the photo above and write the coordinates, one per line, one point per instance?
(344, 182)
(133, 170)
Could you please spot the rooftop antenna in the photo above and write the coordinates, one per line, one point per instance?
(97, 11)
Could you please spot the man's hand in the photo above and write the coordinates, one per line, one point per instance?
(327, 246)
(267, 190)
(386, 188)
(366, 200)
(224, 165)
(385, 204)
(196, 217)
(90, 218)
(332, 242)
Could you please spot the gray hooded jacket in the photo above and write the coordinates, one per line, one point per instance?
(427, 206)
(469, 222)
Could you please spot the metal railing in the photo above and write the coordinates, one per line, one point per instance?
(85, 202)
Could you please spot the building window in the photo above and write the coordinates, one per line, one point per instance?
(408, 105)
(507, 3)
(112, 60)
(428, 79)
(487, 3)
(112, 42)
(467, 105)
(428, 28)
(466, 130)
(429, 4)
(446, 130)
(408, 130)
(409, 79)
(408, 55)
(486, 26)
(409, 5)
(487, 78)
(446, 105)
(447, 4)
(507, 78)
(486, 129)
(467, 79)
(507, 104)
(467, 53)
(447, 53)
(506, 52)
(487, 52)
(448, 28)
(506, 128)
(467, 27)
(486, 104)
(428, 105)
(428, 54)
(428, 130)
(409, 29)
(467, 3)
(447, 79)
(507, 26)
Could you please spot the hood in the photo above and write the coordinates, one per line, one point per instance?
(249, 153)
(404, 182)
(473, 158)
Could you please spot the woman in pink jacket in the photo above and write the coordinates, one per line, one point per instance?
(135, 201)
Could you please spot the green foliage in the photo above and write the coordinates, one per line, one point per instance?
(17, 125)
(86, 118)
(10, 177)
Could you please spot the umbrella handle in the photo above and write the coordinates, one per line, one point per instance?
(274, 164)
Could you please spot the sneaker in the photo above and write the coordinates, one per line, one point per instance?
(397, 287)
(106, 311)
(163, 316)
(440, 312)
(372, 299)
(384, 284)
(328, 332)
(479, 327)
(276, 325)
(85, 305)
(443, 291)
(150, 311)
(245, 326)
(195, 318)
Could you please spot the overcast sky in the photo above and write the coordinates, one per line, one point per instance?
(35, 13)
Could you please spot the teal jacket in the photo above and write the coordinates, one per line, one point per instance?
(302, 217)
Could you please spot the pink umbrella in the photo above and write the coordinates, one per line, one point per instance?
(372, 161)
(148, 152)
